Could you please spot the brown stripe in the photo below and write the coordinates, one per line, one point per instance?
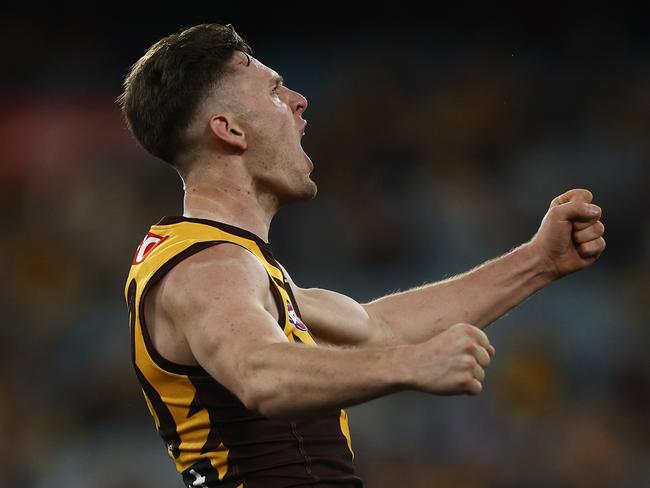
(231, 229)
(130, 299)
(164, 363)
(167, 427)
(282, 316)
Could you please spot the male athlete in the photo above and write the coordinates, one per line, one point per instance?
(245, 373)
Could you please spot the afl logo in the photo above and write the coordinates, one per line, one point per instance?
(150, 241)
(294, 319)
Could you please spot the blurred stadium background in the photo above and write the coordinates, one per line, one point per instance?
(438, 143)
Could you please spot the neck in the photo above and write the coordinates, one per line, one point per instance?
(230, 198)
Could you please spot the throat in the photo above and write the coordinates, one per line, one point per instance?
(230, 207)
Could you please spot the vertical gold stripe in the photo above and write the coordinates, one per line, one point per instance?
(151, 410)
(345, 428)
(177, 392)
(220, 462)
(304, 336)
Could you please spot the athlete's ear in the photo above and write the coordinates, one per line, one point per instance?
(226, 129)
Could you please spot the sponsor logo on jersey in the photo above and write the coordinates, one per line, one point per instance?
(147, 245)
(294, 319)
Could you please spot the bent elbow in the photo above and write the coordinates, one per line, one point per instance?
(265, 391)
(265, 405)
(267, 410)
(251, 400)
(268, 405)
(256, 399)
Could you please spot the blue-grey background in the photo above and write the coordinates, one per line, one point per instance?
(439, 140)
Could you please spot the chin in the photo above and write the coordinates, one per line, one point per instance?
(308, 192)
(305, 192)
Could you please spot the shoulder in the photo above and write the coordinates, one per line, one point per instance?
(226, 272)
(221, 259)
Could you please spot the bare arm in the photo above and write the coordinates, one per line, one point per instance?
(569, 239)
(219, 299)
(479, 296)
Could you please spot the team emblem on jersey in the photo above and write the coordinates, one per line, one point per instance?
(147, 245)
(294, 319)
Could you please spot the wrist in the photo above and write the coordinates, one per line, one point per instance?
(541, 268)
(403, 366)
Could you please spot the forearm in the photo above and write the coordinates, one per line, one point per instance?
(290, 380)
(479, 297)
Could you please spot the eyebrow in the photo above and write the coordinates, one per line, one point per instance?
(277, 80)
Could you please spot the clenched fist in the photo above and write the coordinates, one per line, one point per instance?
(453, 362)
(570, 237)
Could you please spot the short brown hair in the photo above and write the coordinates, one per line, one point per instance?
(164, 87)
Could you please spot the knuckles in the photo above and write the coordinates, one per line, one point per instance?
(467, 361)
(587, 195)
(465, 381)
(592, 249)
(467, 345)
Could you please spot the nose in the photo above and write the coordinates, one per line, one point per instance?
(298, 103)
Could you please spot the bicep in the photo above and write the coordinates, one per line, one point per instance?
(340, 320)
(220, 306)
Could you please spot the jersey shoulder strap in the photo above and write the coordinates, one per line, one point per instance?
(175, 238)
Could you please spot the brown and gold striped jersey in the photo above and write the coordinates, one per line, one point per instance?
(213, 439)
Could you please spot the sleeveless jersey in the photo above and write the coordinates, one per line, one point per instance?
(213, 439)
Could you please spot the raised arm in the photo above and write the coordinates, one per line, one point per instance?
(569, 239)
(219, 299)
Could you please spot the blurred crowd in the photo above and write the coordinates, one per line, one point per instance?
(429, 161)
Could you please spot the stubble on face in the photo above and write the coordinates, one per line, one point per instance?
(274, 156)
